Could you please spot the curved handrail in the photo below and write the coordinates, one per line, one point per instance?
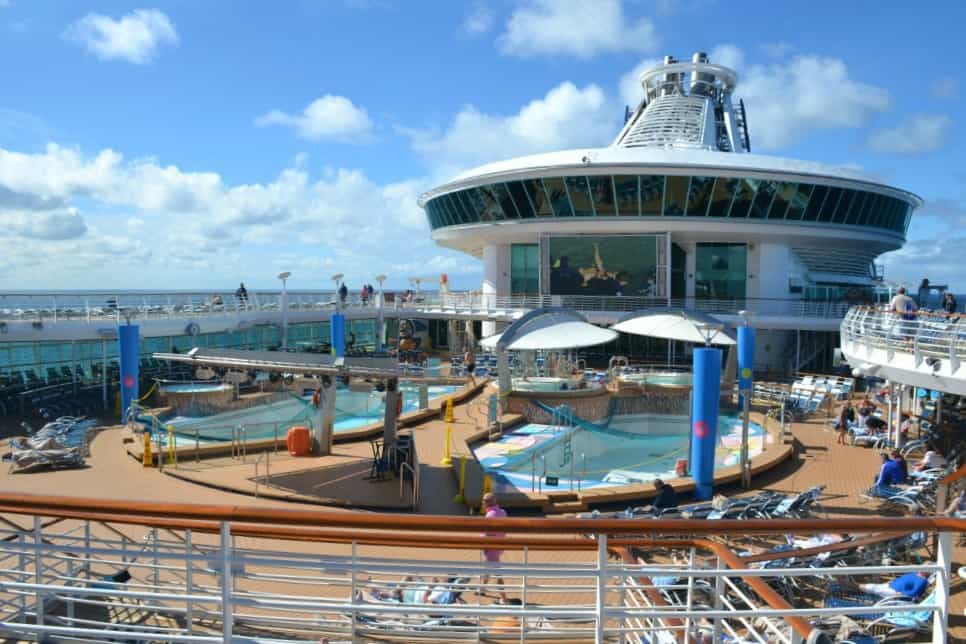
(263, 515)
(954, 476)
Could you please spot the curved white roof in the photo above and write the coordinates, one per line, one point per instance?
(662, 161)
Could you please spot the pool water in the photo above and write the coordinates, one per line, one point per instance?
(630, 449)
(354, 409)
(195, 388)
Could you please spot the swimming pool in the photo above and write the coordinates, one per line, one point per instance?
(354, 409)
(546, 383)
(630, 449)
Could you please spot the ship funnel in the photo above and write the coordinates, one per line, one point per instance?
(673, 82)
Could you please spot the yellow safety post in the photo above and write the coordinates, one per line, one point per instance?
(147, 458)
(447, 456)
(487, 487)
(461, 496)
(448, 417)
(170, 445)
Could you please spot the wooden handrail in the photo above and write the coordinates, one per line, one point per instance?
(58, 505)
(953, 477)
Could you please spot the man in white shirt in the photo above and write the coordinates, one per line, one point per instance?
(901, 303)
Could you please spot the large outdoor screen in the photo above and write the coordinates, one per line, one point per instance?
(604, 265)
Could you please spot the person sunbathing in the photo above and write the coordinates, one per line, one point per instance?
(910, 586)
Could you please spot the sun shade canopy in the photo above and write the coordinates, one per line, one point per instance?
(547, 329)
(675, 324)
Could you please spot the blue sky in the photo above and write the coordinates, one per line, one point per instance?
(194, 144)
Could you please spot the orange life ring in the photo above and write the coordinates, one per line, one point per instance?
(317, 397)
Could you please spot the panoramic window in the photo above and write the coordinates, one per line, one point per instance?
(815, 203)
(627, 190)
(783, 196)
(652, 195)
(538, 197)
(830, 205)
(580, 196)
(602, 190)
(743, 197)
(763, 199)
(520, 199)
(699, 194)
(796, 208)
(676, 196)
(724, 192)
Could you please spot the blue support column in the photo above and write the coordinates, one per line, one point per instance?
(128, 341)
(337, 334)
(746, 360)
(704, 418)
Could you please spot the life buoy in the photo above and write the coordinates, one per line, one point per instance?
(193, 329)
(317, 397)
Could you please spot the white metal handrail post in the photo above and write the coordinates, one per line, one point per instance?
(226, 583)
(38, 569)
(688, 623)
(719, 588)
(944, 559)
(188, 582)
(601, 596)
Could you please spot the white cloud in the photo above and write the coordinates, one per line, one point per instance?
(779, 49)
(55, 225)
(946, 87)
(629, 87)
(575, 28)
(153, 225)
(329, 117)
(135, 37)
(789, 99)
(478, 20)
(567, 117)
(921, 133)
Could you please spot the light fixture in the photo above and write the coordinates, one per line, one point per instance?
(193, 352)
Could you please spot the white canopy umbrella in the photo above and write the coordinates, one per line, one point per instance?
(675, 324)
(544, 329)
(549, 329)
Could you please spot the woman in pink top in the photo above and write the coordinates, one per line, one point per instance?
(492, 557)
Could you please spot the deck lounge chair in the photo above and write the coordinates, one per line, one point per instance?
(53, 458)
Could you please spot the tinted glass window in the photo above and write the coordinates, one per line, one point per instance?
(557, 194)
(763, 199)
(831, 203)
(699, 194)
(744, 197)
(783, 197)
(524, 269)
(468, 208)
(538, 197)
(456, 207)
(492, 203)
(476, 202)
(506, 202)
(858, 205)
(448, 214)
(652, 195)
(434, 221)
(720, 270)
(816, 202)
(724, 192)
(580, 196)
(627, 190)
(845, 203)
(602, 190)
(675, 196)
(873, 202)
(797, 206)
(520, 199)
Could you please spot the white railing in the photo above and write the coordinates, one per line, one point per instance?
(115, 306)
(101, 571)
(928, 336)
(480, 303)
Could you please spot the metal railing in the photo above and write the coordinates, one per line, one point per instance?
(207, 573)
(480, 303)
(927, 335)
(115, 306)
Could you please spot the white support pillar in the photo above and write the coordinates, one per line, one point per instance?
(495, 264)
(601, 596)
(227, 614)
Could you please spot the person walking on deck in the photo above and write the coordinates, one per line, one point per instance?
(469, 361)
(492, 557)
